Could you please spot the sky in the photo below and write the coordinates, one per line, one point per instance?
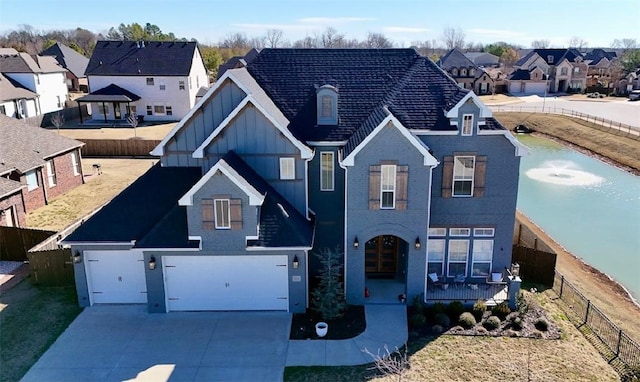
(598, 22)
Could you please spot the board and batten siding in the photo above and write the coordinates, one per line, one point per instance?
(179, 149)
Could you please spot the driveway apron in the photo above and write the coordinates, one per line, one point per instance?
(125, 343)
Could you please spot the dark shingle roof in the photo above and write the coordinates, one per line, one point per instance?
(523, 74)
(8, 186)
(277, 229)
(151, 58)
(24, 147)
(170, 232)
(68, 58)
(10, 90)
(596, 55)
(25, 63)
(110, 93)
(557, 54)
(134, 213)
(456, 59)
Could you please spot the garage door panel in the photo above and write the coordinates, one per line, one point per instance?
(116, 277)
(226, 282)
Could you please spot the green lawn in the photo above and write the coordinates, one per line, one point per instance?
(31, 318)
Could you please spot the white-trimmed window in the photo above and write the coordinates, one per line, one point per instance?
(326, 171)
(467, 124)
(163, 85)
(150, 81)
(387, 186)
(75, 163)
(484, 232)
(103, 109)
(181, 85)
(463, 72)
(482, 258)
(435, 256)
(463, 170)
(550, 59)
(168, 110)
(458, 255)
(564, 71)
(437, 232)
(32, 180)
(460, 232)
(51, 173)
(327, 107)
(454, 72)
(149, 110)
(158, 109)
(221, 213)
(287, 168)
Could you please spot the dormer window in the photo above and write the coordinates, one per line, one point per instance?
(327, 105)
(550, 59)
(454, 72)
(463, 72)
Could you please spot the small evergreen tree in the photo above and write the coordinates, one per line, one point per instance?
(328, 297)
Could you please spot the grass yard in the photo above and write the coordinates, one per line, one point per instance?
(31, 318)
(464, 358)
(117, 174)
(597, 139)
(144, 132)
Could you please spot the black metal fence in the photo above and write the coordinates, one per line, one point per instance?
(618, 345)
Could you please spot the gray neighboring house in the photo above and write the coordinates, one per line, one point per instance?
(74, 62)
(483, 59)
(376, 153)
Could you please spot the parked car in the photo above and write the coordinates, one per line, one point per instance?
(634, 95)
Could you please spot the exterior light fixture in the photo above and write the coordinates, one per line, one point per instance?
(356, 243)
(77, 257)
(296, 263)
(418, 245)
(152, 263)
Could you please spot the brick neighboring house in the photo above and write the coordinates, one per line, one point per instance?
(467, 74)
(36, 165)
(563, 70)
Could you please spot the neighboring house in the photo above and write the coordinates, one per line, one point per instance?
(628, 83)
(40, 74)
(74, 62)
(467, 74)
(564, 70)
(15, 100)
(156, 80)
(483, 59)
(36, 165)
(376, 153)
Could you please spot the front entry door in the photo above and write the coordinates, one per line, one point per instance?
(381, 255)
(116, 111)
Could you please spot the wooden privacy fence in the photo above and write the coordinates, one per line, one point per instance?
(52, 267)
(15, 242)
(535, 266)
(620, 347)
(118, 147)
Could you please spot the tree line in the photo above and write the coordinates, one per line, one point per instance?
(28, 39)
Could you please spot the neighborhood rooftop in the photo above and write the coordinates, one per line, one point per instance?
(68, 58)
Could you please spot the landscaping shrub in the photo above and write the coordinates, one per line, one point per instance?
(517, 323)
(537, 334)
(512, 333)
(478, 310)
(501, 310)
(437, 329)
(542, 324)
(455, 309)
(438, 307)
(442, 320)
(467, 320)
(481, 330)
(417, 320)
(522, 304)
(492, 322)
(418, 303)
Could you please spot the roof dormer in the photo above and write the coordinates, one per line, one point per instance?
(327, 105)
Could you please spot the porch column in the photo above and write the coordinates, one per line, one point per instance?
(105, 112)
(514, 290)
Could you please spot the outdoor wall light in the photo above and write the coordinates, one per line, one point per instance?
(356, 243)
(418, 245)
(77, 257)
(152, 263)
(296, 262)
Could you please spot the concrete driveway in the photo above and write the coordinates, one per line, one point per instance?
(125, 343)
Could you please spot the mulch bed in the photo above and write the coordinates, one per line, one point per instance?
(351, 324)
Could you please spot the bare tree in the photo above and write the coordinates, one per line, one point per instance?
(453, 38)
(625, 43)
(57, 120)
(258, 42)
(330, 38)
(307, 42)
(540, 44)
(578, 43)
(390, 364)
(273, 38)
(132, 119)
(378, 41)
(235, 41)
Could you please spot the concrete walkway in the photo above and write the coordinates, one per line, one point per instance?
(386, 326)
(125, 343)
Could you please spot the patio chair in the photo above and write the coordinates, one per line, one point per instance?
(435, 280)
(495, 278)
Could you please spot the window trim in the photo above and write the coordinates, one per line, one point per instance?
(474, 261)
(223, 202)
(444, 255)
(75, 163)
(466, 262)
(477, 232)
(437, 232)
(31, 186)
(462, 178)
(459, 232)
(181, 85)
(393, 186)
(52, 181)
(287, 163)
(326, 110)
(322, 171)
(150, 81)
(467, 129)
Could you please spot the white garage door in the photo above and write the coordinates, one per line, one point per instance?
(535, 87)
(116, 277)
(226, 282)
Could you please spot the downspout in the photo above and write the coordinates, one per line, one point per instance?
(339, 159)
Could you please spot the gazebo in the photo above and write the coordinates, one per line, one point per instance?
(112, 94)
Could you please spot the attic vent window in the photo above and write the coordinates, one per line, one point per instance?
(327, 105)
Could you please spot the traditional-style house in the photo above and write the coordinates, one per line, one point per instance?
(467, 74)
(564, 69)
(74, 62)
(17, 101)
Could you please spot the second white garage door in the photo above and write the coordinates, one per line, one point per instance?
(116, 277)
(195, 283)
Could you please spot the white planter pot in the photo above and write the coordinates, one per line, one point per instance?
(321, 329)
